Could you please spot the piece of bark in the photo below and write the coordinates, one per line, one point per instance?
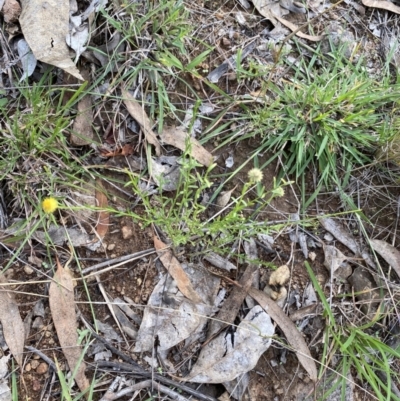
(229, 310)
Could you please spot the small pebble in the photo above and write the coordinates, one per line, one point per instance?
(111, 247)
(36, 386)
(35, 364)
(127, 232)
(28, 367)
(28, 270)
(42, 368)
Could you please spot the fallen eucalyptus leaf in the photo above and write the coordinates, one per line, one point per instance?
(13, 326)
(388, 252)
(337, 230)
(174, 268)
(179, 138)
(174, 317)
(28, 60)
(293, 336)
(385, 5)
(138, 113)
(232, 354)
(219, 261)
(103, 221)
(45, 25)
(62, 306)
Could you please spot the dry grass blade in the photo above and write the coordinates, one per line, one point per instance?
(62, 306)
(13, 326)
(293, 336)
(175, 270)
(103, 221)
(388, 252)
(179, 138)
(300, 34)
(138, 113)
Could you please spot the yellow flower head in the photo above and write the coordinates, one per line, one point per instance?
(49, 205)
(255, 175)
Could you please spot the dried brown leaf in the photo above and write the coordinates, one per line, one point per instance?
(138, 113)
(13, 326)
(385, 5)
(224, 197)
(103, 221)
(293, 336)
(82, 128)
(346, 238)
(178, 138)
(11, 10)
(62, 306)
(300, 34)
(45, 26)
(175, 270)
(388, 252)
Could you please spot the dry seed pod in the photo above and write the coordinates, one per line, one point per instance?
(224, 197)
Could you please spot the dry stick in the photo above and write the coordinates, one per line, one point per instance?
(125, 259)
(133, 367)
(51, 364)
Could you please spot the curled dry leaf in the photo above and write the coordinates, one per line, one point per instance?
(388, 252)
(179, 138)
(62, 306)
(13, 326)
(178, 319)
(175, 269)
(103, 221)
(232, 354)
(280, 276)
(385, 5)
(224, 197)
(293, 336)
(45, 26)
(138, 113)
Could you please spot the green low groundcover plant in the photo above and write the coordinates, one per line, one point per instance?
(331, 115)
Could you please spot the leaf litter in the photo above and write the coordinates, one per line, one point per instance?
(62, 306)
(13, 326)
(174, 296)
